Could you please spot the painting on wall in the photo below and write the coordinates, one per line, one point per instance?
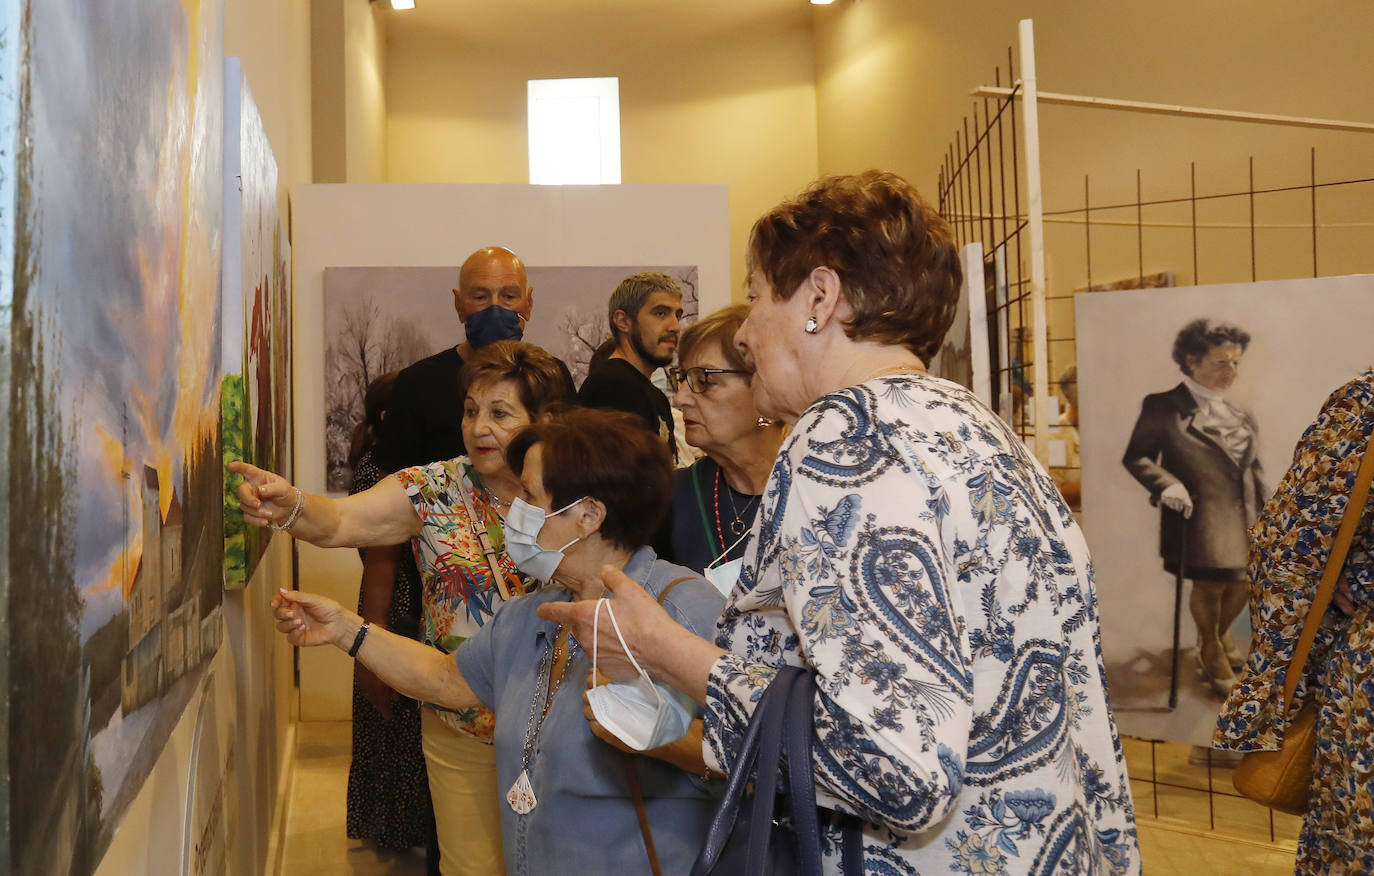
(255, 394)
(963, 355)
(382, 319)
(1219, 439)
(954, 360)
(114, 502)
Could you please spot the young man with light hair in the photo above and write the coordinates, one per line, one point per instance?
(645, 313)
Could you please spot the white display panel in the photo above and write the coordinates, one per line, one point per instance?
(439, 226)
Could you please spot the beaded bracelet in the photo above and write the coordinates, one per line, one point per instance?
(295, 512)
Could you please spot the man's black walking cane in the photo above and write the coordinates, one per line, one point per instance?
(1178, 606)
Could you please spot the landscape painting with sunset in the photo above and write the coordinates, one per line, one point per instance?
(115, 526)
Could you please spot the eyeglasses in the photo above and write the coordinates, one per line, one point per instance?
(698, 379)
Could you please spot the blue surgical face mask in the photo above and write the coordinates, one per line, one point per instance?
(641, 713)
(492, 324)
(523, 522)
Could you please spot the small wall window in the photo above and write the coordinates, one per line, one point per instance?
(574, 128)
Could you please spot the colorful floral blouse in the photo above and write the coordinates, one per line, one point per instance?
(460, 594)
(913, 553)
(1290, 543)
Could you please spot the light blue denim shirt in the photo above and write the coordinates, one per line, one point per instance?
(585, 820)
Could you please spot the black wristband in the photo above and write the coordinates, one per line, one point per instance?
(358, 640)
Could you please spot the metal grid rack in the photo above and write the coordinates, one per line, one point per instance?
(980, 192)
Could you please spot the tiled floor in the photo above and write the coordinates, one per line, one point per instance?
(316, 842)
(1172, 845)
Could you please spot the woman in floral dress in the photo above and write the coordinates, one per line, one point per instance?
(912, 554)
(451, 513)
(1290, 543)
(388, 791)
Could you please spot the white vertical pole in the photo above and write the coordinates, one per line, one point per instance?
(1036, 228)
(999, 261)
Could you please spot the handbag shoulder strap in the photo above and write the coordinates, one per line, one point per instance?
(671, 584)
(507, 588)
(768, 715)
(1354, 509)
(632, 774)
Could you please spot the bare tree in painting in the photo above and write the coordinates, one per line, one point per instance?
(366, 345)
(686, 278)
(583, 332)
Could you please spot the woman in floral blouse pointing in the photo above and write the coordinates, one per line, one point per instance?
(912, 554)
(451, 512)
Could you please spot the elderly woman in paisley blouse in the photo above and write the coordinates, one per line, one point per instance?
(912, 554)
(1290, 543)
(451, 511)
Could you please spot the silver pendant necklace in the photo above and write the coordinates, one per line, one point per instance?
(521, 797)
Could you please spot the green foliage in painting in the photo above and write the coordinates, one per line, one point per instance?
(234, 429)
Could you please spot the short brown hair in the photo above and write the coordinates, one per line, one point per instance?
(634, 290)
(607, 455)
(894, 254)
(541, 379)
(720, 328)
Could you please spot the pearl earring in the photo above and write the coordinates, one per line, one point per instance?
(811, 325)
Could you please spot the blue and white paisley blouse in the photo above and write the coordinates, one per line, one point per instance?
(912, 552)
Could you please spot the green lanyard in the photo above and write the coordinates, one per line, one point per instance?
(717, 550)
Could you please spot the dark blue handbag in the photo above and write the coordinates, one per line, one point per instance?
(749, 836)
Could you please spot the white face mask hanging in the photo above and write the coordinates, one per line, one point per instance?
(640, 713)
(726, 575)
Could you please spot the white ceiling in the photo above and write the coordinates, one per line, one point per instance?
(494, 22)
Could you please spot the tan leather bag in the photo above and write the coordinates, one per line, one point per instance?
(1282, 779)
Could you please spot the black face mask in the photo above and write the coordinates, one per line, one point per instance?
(492, 324)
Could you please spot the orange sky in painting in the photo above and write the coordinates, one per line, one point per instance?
(198, 268)
(176, 267)
(123, 563)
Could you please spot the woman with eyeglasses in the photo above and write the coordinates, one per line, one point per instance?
(715, 500)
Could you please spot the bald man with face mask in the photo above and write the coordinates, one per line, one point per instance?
(494, 301)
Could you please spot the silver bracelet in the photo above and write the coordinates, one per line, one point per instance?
(295, 512)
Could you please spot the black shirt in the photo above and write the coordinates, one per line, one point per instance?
(423, 422)
(617, 385)
(699, 521)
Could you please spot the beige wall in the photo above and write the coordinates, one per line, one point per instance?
(272, 38)
(364, 75)
(893, 81)
(735, 108)
(348, 62)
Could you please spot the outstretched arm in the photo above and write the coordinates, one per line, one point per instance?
(381, 515)
(416, 670)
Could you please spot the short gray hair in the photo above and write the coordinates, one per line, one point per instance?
(634, 290)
